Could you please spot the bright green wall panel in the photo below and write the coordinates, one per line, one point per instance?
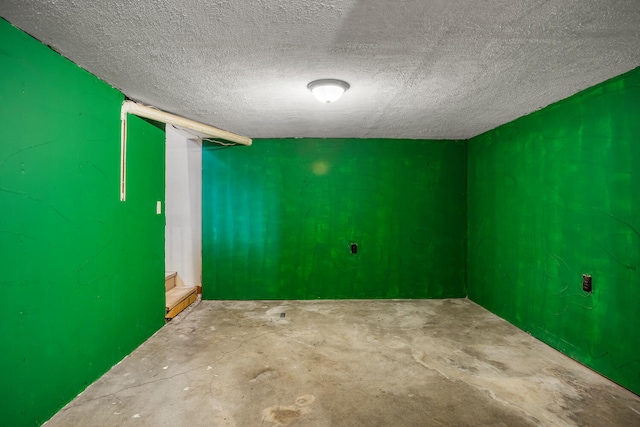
(555, 195)
(279, 218)
(82, 272)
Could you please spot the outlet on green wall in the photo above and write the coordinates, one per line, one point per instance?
(82, 272)
(555, 195)
(279, 218)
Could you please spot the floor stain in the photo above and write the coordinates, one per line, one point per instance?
(305, 400)
(264, 375)
(284, 415)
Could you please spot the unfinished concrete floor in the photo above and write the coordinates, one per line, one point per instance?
(347, 363)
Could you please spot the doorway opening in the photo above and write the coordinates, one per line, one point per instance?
(183, 210)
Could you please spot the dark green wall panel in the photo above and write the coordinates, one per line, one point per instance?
(81, 272)
(555, 195)
(279, 218)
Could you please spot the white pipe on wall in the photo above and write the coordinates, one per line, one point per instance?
(130, 107)
(161, 116)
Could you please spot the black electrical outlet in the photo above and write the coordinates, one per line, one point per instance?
(586, 283)
(354, 248)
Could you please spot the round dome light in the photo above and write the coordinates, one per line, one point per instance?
(328, 90)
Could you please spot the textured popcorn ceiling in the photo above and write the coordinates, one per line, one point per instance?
(417, 68)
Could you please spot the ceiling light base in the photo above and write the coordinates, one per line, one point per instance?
(328, 90)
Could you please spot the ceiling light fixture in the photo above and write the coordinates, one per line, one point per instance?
(328, 90)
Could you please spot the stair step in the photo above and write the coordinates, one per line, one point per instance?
(179, 298)
(170, 278)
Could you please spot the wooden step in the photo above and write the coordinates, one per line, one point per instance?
(178, 298)
(170, 280)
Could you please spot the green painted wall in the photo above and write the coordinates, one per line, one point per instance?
(279, 218)
(552, 196)
(81, 272)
